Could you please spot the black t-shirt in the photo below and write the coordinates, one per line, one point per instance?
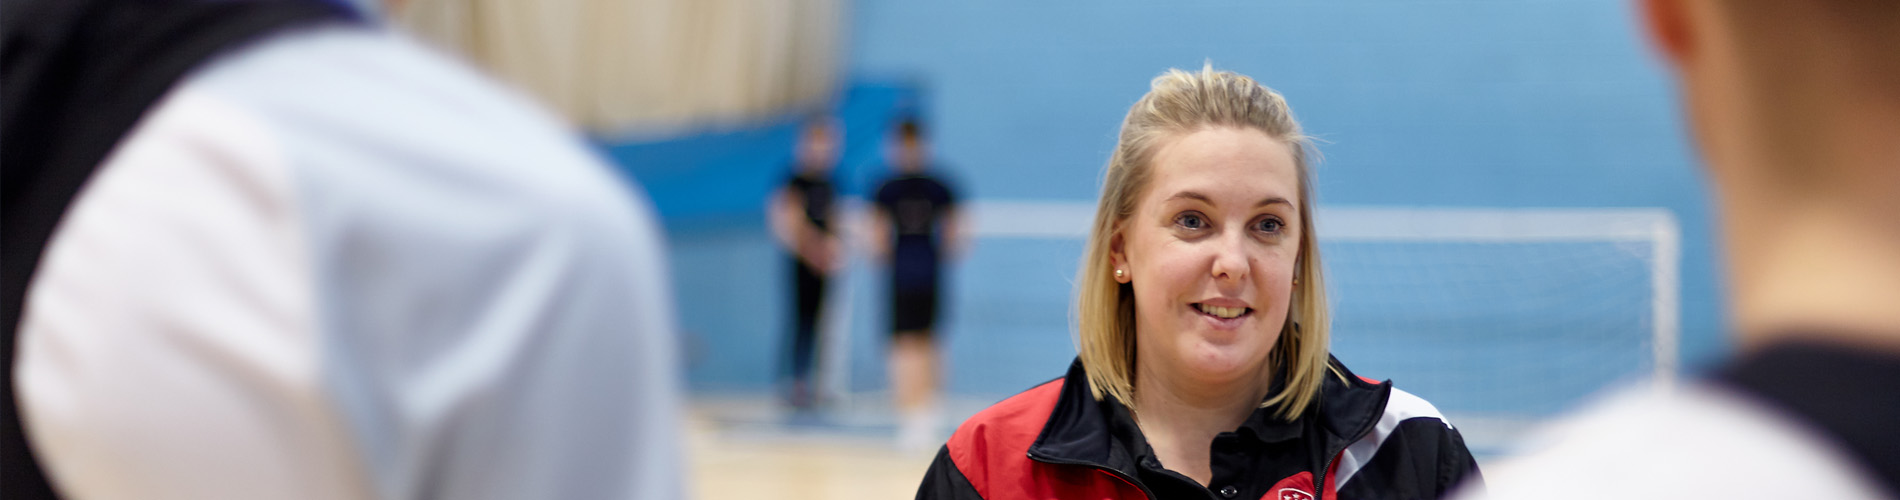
(817, 192)
(917, 204)
(1848, 393)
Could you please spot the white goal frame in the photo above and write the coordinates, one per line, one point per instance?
(1656, 226)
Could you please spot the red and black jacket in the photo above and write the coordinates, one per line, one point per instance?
(1362, 440)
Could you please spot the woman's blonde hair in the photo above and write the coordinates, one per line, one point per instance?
(1179, 103)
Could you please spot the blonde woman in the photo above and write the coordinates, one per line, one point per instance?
(1204, 369)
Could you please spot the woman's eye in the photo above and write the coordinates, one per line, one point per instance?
(1269, 225)
(1190, 221)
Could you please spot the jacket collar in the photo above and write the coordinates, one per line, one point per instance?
(1085, 431)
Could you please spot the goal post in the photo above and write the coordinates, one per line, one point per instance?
(1502, 317)
(1653, 226)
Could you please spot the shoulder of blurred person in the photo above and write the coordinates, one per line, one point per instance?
(1797, 419)
(929, 184)
(942, 188)
(333, 264)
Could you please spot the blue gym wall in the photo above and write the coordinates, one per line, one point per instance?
(1437, 104)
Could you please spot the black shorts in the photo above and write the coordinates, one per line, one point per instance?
(913, 310)
(810, 293)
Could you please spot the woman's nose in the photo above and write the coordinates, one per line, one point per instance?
(1230, 257)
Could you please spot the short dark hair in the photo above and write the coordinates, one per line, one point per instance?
(909, 128)
(820, 121)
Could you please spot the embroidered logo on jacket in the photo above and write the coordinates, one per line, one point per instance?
(1294, 487)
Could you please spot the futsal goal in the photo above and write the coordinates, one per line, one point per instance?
(1501, 317)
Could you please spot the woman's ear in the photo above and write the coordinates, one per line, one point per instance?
(1118, 258)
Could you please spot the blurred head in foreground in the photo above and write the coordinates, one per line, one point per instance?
(1796, 109)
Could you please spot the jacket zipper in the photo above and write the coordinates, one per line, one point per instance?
(1118, 474)
(1319, 487)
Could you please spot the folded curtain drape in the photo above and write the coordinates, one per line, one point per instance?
(646, 66)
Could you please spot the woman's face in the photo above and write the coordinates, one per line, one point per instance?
(1210, 250)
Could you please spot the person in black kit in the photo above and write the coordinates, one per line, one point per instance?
(802, 215)
(915, 225)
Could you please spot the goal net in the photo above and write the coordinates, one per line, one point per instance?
(1500, 317)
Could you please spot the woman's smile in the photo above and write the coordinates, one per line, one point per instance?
(1223, 313)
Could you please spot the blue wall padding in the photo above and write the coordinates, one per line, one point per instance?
(1456, 103)
(724, 177)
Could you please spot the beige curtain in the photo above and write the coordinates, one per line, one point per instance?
(647, 66)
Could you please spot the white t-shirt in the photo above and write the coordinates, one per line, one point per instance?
(1701, 441)
(333, 264)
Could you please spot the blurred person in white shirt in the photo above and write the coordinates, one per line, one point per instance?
(314, 260)
(1795, 107)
